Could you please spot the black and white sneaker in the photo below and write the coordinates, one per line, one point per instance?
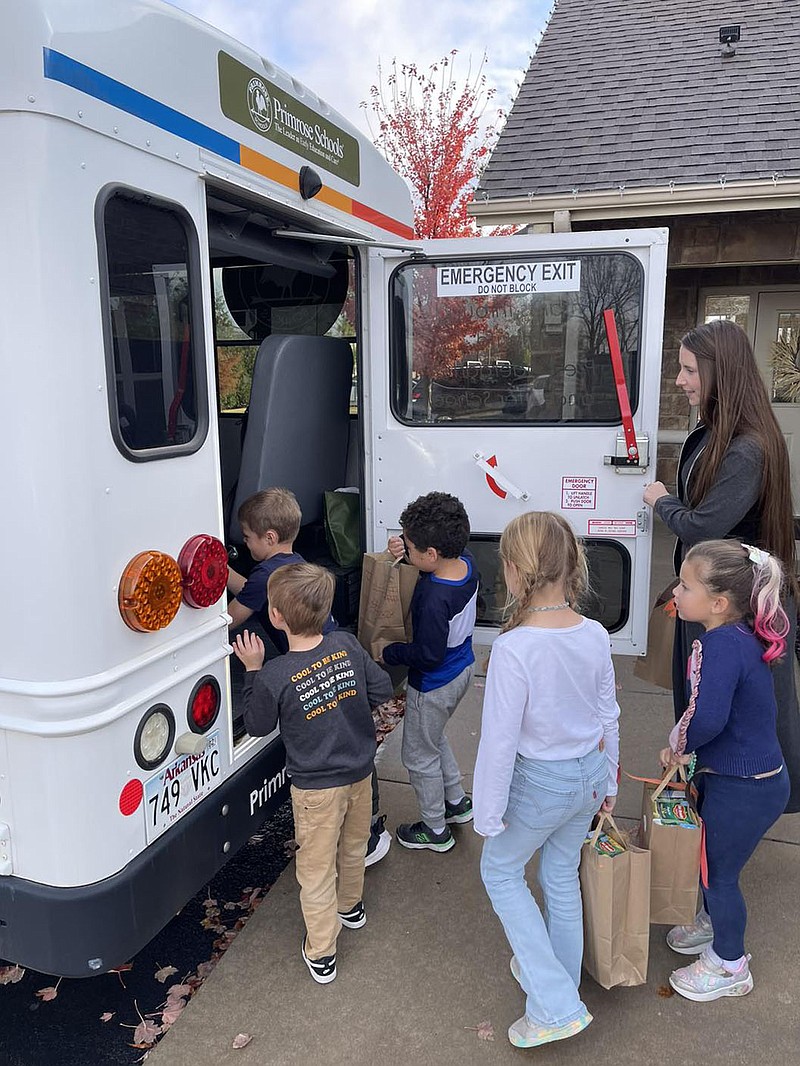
(355, 917)
(322, 970)
(418, 835)
(458, 813)
(380, 840)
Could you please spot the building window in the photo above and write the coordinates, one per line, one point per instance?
(730, 308)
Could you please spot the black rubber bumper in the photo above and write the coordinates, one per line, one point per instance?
(80, 932)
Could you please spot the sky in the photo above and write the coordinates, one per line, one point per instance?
(334, 46)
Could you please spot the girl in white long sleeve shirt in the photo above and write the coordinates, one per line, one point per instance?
(547, 762)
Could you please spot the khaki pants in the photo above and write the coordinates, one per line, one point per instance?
(331, 826)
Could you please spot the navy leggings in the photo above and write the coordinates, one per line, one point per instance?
(737, 812)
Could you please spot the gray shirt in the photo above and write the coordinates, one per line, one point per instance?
(729, 508)
(323, 700)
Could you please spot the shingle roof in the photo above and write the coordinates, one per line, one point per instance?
(636, 93)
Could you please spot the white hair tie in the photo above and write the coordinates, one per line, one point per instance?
(756, 555)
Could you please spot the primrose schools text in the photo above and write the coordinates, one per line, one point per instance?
(305, 129)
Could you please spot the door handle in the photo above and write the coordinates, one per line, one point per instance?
(503, 482)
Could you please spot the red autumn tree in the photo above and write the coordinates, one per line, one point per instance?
(434, 132)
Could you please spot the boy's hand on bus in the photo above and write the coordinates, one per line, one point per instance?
(608, 804)
(654, 491)
(396, 547)
(249, 649)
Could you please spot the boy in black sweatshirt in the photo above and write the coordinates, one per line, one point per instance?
(321, 692)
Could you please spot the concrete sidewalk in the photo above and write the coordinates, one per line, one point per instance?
(432, 962)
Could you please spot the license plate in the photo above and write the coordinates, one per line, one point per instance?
(179, 786)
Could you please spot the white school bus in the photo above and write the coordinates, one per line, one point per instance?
(195, 250)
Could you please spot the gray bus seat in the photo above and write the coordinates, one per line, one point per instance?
(298, 422)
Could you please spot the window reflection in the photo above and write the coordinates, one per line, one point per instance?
(533, 357)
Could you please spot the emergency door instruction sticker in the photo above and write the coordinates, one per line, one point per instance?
(611, 527)
(578, 493)
(508, 279)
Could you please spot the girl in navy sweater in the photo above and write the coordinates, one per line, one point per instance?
(727, 737)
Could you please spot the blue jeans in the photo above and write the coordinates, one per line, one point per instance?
(550, 806)
(737, 812)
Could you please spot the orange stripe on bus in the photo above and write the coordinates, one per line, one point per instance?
(289, 178)
(268, 168)
(335, 199)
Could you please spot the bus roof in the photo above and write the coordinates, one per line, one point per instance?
(147, 73)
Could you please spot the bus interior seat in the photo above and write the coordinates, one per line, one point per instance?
(298, 422)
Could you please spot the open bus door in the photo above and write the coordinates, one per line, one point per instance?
(523, 374)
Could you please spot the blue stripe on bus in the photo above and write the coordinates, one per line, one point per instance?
(59, 67)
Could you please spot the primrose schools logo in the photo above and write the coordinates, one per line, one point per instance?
(259, 103)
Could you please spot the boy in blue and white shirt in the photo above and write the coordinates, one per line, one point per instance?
(440, 661)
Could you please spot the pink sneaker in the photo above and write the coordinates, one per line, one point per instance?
(704, 980)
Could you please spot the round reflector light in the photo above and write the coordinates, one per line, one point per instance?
(154, 736)
(131, 796)
(204, 704)
(204, 565)
(150, 591)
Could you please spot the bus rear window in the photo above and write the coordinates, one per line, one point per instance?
(471, 349)
(153, 330)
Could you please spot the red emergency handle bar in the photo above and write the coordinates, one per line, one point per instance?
(621, 385)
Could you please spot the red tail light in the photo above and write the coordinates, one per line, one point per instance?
(204, 565)
(204, 704)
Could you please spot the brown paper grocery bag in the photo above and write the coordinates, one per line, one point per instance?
(656, 665)
(384, 612)
(674, 860)
(616, 910)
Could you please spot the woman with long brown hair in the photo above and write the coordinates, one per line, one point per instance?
(733, 482)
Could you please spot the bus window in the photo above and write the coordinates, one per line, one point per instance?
(153, 351)
(606, 598)
(525, 358)
(252, 302)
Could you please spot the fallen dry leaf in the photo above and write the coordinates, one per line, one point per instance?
(231, 906)
(178, 992)
(485, 1030)
(205, 968)
(241, 1040)
(165, 972)
(665, 991)
(146, 1033)
(107, 1016)
(171, 1012)
(9, 975)
(46, 994)
(209, 902)
(120, 970)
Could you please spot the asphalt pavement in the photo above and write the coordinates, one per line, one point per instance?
(427, 979)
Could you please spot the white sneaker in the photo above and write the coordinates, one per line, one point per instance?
(691, 939)
(525, 1034)
(380, 840)
(704, 980)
